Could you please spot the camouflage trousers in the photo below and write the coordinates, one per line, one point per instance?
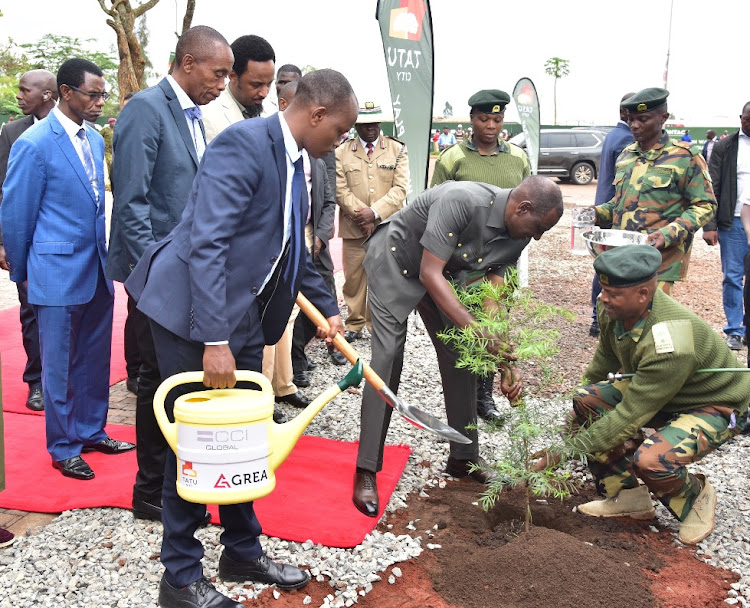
(659, 459)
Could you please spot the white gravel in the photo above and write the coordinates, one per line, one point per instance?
(102, 557)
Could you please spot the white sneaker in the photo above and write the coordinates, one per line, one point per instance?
(699, 522)
(634, 503)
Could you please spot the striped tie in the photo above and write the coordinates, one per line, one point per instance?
(88, 160)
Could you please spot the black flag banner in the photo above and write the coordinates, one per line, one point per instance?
(406, 29)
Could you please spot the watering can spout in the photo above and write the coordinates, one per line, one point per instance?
(285, 436)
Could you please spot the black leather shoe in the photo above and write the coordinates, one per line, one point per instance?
(262, 570)
(489, 413)
(365, 496)
(337, 358)
(143, 509)
(460, 468)
(311, 365)
(351, 336)
(295, 399)
(301, 379)
(279, 417)
(35, 400)
(74, 467)
(132, 385)
(110, 446)
(200, 594)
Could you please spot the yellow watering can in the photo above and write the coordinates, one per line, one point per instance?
(227, 444)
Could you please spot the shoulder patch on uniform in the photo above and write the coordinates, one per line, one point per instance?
(396, 140)
(688, 146)
(673, 336)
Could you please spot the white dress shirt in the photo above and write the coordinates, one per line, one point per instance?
(194, 127)
(743, 172)
(72, 128)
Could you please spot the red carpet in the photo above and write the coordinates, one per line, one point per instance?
(312, 499)
(15, 390)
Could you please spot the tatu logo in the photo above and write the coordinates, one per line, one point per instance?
(406, 21)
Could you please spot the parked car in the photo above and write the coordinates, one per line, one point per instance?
(568, 154)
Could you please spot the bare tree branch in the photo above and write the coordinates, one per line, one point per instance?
(187, 20)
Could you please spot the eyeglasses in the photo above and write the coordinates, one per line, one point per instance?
(92, 95)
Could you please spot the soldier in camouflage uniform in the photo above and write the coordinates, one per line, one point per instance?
(646, 333)
(662, 187)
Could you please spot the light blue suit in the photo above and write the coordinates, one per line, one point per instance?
(54, 233)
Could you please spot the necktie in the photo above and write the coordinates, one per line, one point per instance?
(369, 149)
(194, 115)
(299, 195)
(88, 160)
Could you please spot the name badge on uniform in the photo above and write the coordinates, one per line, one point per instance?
(662, 339)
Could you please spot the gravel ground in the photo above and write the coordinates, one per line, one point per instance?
(100, 557)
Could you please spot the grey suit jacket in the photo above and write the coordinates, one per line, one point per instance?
(8, 135)
(154, 165)
(322, 209)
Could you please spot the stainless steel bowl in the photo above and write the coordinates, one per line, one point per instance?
(602, 240)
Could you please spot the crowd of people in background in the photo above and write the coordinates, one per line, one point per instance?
(193, 166)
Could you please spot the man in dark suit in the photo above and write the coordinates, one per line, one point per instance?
(37, 94)
(158, 144)
(614, 143)
(221, 286)
(53, 222)
(730, 174)
(318, 231)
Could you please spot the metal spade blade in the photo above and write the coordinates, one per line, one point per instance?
(410, 413)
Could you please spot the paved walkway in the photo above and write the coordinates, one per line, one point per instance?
(121, 411)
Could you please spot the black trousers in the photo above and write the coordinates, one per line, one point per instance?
(32, 373)
(304, 329)
(181, 552)
(151, 447)
(132, 356)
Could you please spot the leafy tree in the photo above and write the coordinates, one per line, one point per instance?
(49, 53)
(520, 319)
(557, 68)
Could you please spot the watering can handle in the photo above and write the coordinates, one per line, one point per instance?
(169, 429)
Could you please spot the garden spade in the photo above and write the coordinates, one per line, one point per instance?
(410, 413)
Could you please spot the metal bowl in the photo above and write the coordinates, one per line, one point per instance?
(602, 240)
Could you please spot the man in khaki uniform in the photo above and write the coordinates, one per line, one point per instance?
(372, 178)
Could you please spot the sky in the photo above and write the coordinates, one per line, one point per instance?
(613, 48)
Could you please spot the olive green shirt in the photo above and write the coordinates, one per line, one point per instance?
(668, 189)
(506, 168)
(663, 351)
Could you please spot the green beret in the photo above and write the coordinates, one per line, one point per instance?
(645, 100)
(489, 101)
(627, 265)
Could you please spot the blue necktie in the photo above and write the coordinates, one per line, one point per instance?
(88, 160)
(194, 113)
(299, 193)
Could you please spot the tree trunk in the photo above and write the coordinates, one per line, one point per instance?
(130, 74)
(555, 100)
(187, 20)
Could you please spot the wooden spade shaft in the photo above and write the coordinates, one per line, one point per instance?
(414, 415)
